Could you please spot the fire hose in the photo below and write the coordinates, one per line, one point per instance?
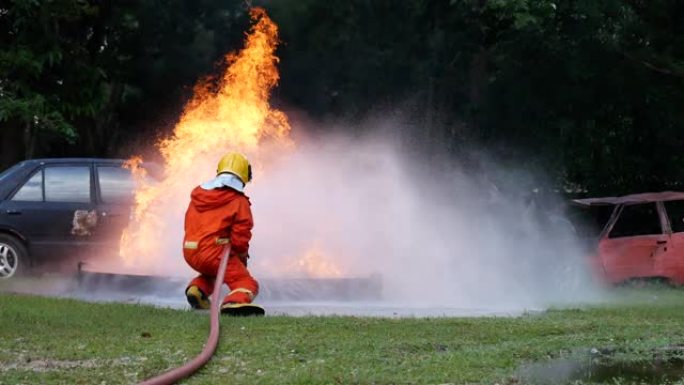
(174, 375)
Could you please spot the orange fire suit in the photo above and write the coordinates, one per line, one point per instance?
(214, 218)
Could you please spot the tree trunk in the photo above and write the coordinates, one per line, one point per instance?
(29, 140)
(10, 145)
(478, 76)
(430, 111)
(105, 122)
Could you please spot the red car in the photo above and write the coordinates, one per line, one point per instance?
(644, 237)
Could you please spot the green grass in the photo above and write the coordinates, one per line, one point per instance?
(59, 341)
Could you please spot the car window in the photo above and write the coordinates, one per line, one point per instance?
(639, 219)
(32, 190)
(675, 211)
(67, 184)
(116, 184)
(589, 221)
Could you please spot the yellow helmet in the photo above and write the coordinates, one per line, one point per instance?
(235, 163)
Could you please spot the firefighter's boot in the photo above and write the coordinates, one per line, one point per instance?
(196, 298)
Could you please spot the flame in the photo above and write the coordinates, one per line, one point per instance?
(134, 164)
(139, 173)
(315, 263)
(228, 113)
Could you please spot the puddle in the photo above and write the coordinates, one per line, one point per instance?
(642, 373)
(603, 371)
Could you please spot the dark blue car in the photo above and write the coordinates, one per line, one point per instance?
(55, 212)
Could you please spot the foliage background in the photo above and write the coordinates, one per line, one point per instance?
(590, 91)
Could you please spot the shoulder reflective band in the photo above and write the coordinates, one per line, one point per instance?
(190, 245)
(222, 241)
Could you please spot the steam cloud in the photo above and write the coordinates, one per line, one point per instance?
(435, 236)
(441, 238)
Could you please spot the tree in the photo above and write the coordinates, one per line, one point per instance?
(88, 74)
(44, 84)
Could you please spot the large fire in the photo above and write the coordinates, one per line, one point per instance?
(224, 114)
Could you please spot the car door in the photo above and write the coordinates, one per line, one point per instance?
(115, 193)
(47, 208)
(635, 239)
(68, 207)
(671, 264)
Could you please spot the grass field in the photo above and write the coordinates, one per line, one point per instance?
(60, 341)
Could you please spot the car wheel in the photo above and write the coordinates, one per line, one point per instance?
(13, 257)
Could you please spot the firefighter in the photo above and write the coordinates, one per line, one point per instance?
(219, 213)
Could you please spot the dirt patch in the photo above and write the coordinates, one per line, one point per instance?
(600, 366)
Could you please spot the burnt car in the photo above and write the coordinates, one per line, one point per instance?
(643, 237)
(58, 211)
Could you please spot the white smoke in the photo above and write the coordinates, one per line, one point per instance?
(434, 234)
(438, 239)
